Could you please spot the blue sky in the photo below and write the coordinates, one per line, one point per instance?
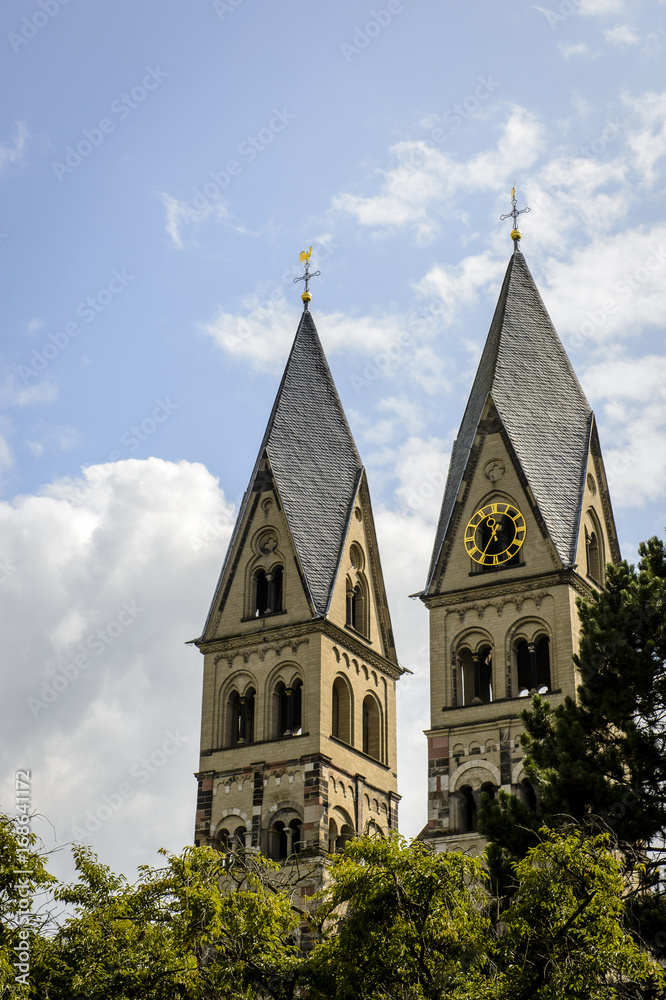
(161, 167)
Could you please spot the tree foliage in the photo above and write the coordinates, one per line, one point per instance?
(564, 929)
(600, 760)
(395, 921)
(398, 920)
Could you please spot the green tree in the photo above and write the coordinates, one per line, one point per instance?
(205, 925)
(601, 759)
(563, 932)
(25, 905)
(399, 921)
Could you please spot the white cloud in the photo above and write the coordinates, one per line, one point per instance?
(459, 286)
(622, 35)
(263, 330)
(52, 437)
(610, 289)
(119, 568)
(631, 396)
(6, 453)
(602, 8)
(13, 393)
(569, 49)
(12, 151)
(647, 138)
(416, 191)
(182, 214)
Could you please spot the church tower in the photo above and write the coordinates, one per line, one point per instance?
(526, 527)
(298, 748)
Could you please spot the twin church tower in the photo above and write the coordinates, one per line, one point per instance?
(298, 735)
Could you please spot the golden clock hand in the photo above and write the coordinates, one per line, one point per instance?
(491, 539)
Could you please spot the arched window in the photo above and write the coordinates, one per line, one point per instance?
(233, 719)
(231, 838)
(522, 653)
(341, 711)
(533, 665)
(488, 788)
(371, 728)
(466, 677)
(332, 836)
(284, 838)
(268, 591)
(476, 673)
(468, 818)
(240, 718)
(238, 839)
(277, 841)
(287, 709)
(357, 606)
(346, 834)
(485, 658)
(296, 843)
(527, 794)
(543, 664)
(593, 556)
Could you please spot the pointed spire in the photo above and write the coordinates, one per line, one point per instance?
(541, 404)
(314, 461)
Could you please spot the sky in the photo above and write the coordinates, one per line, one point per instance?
(162, 164)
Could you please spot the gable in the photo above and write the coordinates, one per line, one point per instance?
(493, 475)
(261, 554)
(359, 578)
(597, 536)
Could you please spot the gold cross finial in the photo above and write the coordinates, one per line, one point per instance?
(513, 214)
(304, 258)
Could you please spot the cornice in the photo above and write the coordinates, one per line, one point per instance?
(504, 592)
(292, 637)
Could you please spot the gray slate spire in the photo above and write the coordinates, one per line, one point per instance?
(525, 369)
(314, 460)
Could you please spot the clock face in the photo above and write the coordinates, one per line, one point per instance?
(495, 534)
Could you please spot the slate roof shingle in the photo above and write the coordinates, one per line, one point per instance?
(525, 368)
(315, 463)
(314, 459)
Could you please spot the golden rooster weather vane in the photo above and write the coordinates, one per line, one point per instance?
(304, 258)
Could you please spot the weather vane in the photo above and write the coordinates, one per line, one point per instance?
(513, 214)
(304, 258)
